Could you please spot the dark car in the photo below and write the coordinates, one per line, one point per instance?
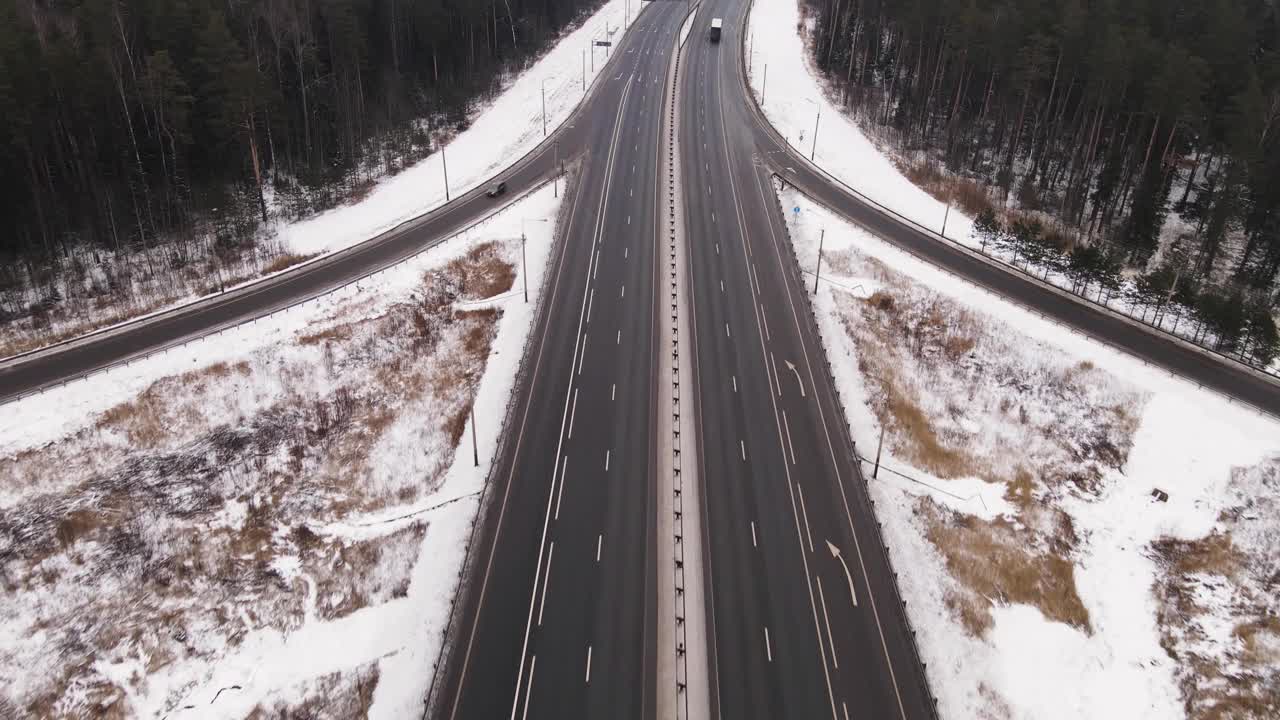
(497, 189)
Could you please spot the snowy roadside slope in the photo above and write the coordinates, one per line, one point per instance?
(500, 133)
(272, 520)
(794, 93)
(1019, 462)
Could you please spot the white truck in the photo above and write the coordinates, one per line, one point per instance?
(716, 24)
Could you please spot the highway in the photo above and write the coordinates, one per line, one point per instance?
(559, 619)
(797, 630)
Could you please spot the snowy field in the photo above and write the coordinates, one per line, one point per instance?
(1043, 578)
(268, 522)
(797, 98)
(499, 134)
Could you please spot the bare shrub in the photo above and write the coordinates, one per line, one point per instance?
(285, 261)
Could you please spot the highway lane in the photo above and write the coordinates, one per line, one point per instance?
(559, 617)
(568, 143)
(795, 634)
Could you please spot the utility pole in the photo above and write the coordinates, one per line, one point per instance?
(814, 149)
(818, 272)
(445, 159)
(879, 447)
(944, 219)
(475, 447)
(524, 266)
(544, 107)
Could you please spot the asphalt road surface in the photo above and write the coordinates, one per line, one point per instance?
(559, 619)
(798, 631)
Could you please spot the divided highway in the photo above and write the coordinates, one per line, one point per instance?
(806, 620)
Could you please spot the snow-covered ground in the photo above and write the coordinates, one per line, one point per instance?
(1019, 460)
(500, 133)
(505, 130)
(273, 518)
(795, 98)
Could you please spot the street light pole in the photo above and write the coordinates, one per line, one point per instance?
(814, 149)
(475, 447)
(817, 273)
(524, 265)
(445, 159)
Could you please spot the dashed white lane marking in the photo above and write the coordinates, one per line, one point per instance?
(713, 216)
(742, 447)
(831, 641)
(533, 663)
(613, 391)
(717, 248)
(776, 379)
(753, 534)
(626, 251)
(845, 708)
(599, 542)
(755, 277)
(790, 447)
(628, 219)
(735, 383)
(726, 330)
(619, 340)
(765, 317)
(588, 664)
(624, 291)
(721, 286)
(590, 302)
(768, 647)
(573, 413)
(606, 459)
(805, 512)
(583, 356)
(546, 581)
(564, 470)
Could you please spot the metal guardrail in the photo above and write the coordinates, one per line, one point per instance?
(674, 290)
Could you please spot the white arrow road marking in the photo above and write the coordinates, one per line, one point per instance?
(835, 553)
(792, 366)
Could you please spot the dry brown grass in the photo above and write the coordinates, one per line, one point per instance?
(344, 695)
(285, 261)
(1242, 684)
(917, 443)
(997, 562)
(483, 271)
(148, 420)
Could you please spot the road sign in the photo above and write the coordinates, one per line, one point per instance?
(603, 43)
(796, 209)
